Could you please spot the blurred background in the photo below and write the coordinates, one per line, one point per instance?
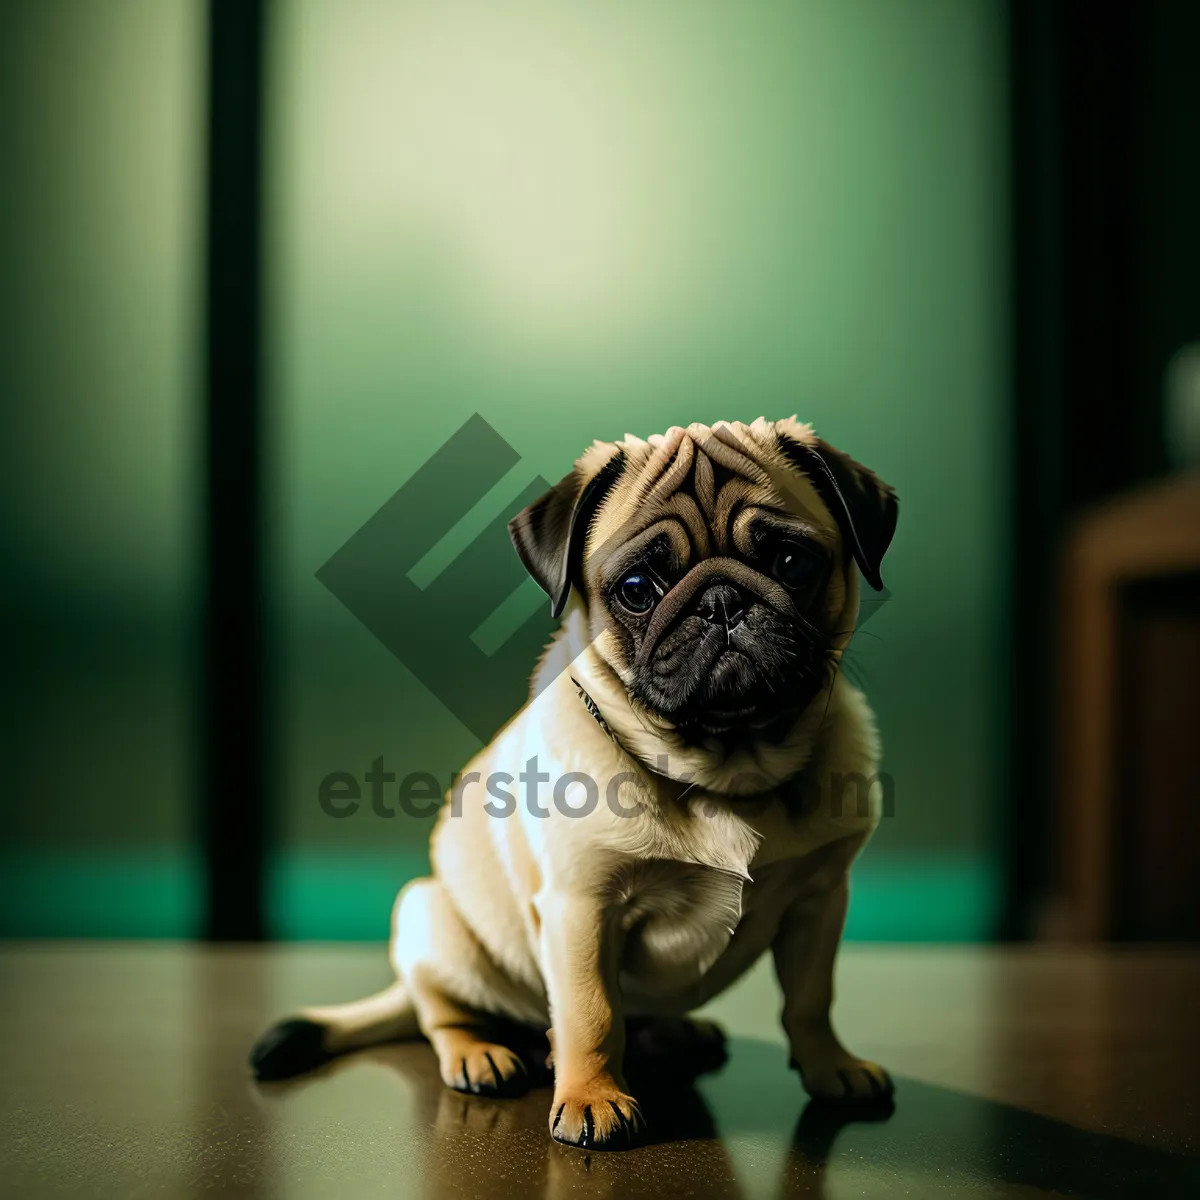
(261, 261)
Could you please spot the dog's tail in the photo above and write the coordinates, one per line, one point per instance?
(315, 1035)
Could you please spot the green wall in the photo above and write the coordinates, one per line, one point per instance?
(575, 221)
(100, 148)
(579, 221)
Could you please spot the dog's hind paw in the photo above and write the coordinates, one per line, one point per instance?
(682, 1047)
(484, 1069)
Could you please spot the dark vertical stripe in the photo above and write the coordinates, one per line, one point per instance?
(1038, 314)
(1077, 82)
(234, 797)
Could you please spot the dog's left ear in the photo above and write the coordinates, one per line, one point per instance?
(549, 535)
(863, 505)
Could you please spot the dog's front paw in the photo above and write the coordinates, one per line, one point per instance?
(843, 1079)
(597, 1117)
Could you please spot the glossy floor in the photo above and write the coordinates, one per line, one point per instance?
(1020, 1073)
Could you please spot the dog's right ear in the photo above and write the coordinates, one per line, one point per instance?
(549, 535)
(864, 507)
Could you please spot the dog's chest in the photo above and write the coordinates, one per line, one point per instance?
(682, 919)
(678, 917)
(707, 899)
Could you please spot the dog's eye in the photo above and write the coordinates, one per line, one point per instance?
(637, 593)
(796, 568)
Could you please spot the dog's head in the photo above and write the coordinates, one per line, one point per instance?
(715, 565)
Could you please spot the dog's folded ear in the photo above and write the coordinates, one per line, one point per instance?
(549, 535)
(863, 505)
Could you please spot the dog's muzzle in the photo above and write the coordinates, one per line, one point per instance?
(720, 590)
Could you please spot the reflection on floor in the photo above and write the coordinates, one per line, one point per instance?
(737, 1133)
(1019, 1073)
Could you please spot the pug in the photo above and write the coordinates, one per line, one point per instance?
(669, 803)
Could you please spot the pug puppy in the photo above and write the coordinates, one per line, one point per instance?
(669, 803)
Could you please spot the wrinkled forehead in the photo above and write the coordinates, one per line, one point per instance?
(704, 489)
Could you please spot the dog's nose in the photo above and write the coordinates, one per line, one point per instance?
(723, 604)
